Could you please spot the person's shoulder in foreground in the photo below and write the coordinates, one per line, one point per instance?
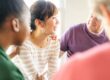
(8, 71)
(92, 66)
(14, 22)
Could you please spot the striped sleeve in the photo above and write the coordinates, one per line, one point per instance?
(25, 55)
(53, 58)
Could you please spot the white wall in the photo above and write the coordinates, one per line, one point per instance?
(73, 12)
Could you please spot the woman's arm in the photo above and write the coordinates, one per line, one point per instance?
(53, 59)
(25, 55)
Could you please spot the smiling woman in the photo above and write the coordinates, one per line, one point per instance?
(58, 4)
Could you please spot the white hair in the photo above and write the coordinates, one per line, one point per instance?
(94, 5)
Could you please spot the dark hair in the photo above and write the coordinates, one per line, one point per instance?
(12, 8)
(40, 10)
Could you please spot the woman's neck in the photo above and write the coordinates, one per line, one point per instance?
(39, 39)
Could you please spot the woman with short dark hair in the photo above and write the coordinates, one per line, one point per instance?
(40, 52)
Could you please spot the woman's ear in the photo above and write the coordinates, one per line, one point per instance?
(105, 12)
(15, 25)
(38, 22)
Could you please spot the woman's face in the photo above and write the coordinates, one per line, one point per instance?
(51, 24)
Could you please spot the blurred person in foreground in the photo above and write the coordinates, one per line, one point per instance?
(14, 28)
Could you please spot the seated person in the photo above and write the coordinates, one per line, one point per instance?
(83, 36)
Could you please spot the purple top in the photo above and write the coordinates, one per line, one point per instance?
(78, 39)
